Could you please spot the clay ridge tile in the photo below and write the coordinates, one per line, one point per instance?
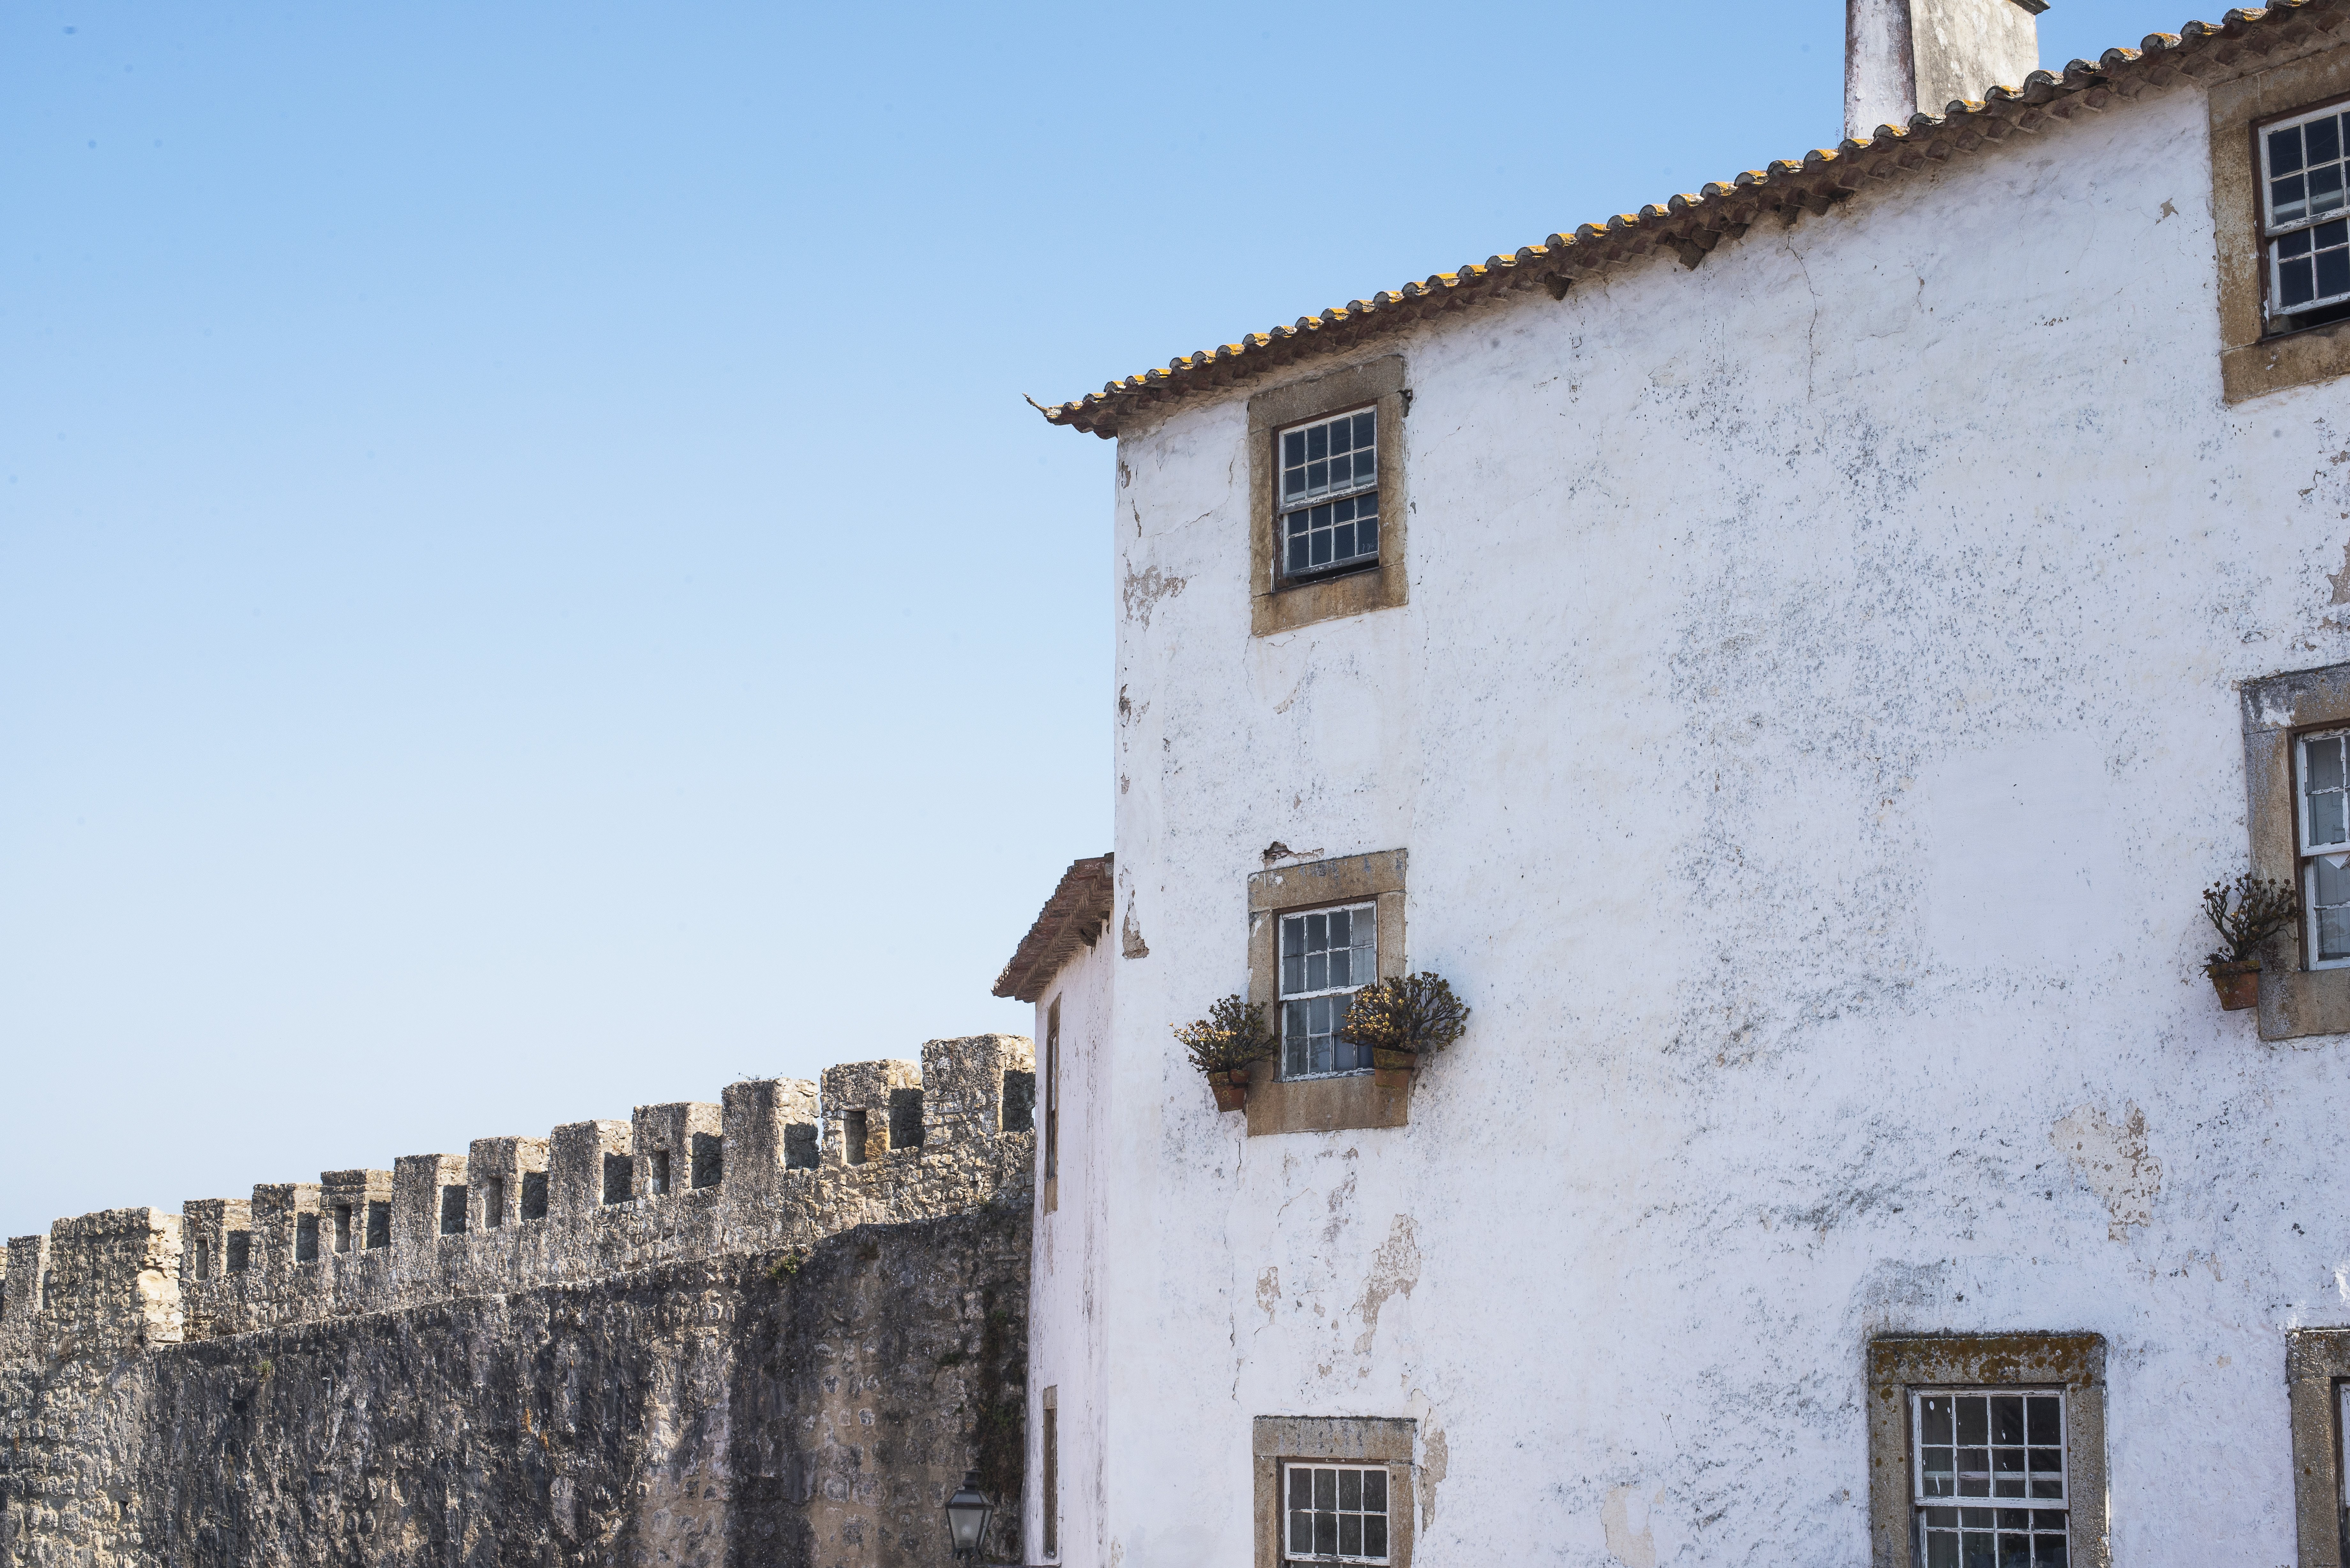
(1692, 225)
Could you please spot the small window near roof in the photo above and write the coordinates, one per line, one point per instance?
(1329, 480)
(1325, 957)
(1337, 1513)
(2307, 216)
(1989, 1481)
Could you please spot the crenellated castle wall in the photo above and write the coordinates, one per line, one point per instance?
(698, 1223)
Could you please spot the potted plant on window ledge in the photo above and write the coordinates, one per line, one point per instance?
(1226, 1045)
(1402, 1020)
(2246, 913)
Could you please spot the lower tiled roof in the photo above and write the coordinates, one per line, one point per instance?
(1071, 919)
(1690, 226)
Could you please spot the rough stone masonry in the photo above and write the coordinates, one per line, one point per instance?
(777, 1331)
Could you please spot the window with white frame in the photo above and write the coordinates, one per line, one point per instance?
(1327, 956)
(2306, 213)
(1337, 1513)
(1989, 1482)
(2325, 846)
(1329, 480)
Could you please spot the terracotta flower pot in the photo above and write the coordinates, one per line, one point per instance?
(1393, 1069)
(2239, 984)
(1230, 1089)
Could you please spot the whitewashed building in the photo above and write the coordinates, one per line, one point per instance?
(1792, 657)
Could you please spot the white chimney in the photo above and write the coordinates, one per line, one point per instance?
(1903, 55)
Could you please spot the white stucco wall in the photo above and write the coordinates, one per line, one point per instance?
(1065, 1352)
(1811, 727)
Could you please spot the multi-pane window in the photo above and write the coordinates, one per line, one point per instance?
(2307, 226)
(1325, 957)
(2325, 848)
(1988, 1485)
(1329, 494)
(1337, 1513)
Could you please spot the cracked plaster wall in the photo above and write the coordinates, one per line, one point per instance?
(1811, 726)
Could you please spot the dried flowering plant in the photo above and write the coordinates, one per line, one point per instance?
(1415, 1013)
(1232, 1038)
(2246, 913)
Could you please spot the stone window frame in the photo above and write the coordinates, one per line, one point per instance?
(2254, 360)
(1355, 1100)
(1275, 1440)
(1275, 605)
(2296, 1001)
(1899, 1364)
(2316, 1369)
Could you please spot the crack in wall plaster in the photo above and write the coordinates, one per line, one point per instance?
(2111, 1159)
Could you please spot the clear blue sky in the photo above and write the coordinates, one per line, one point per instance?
(527, 584)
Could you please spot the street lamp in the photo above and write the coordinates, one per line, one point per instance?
(968, 1512)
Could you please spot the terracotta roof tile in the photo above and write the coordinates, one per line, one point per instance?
(1692, 225)
(1071, 919)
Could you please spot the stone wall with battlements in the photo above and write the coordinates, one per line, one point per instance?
(161, 1375)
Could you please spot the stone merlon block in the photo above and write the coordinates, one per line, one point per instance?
(858, 1098)
(677, 1147)
(100, 1264)
(498, 1178)
(962, 1084)
(769, 1125)
(343, 1200)
(417, 1183)
(206, 1224)
(278, 1210)
(579, 1175)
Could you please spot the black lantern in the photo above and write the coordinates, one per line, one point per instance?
(968, 1512)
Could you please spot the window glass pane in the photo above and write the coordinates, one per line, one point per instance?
(2326, 818)
(2284, 150)
(2333, 273)
(2325, 189)
(1374, 1534)
(2286, 202)
(1328, 457)
(2333, 934)
(1934, 1418)
(2296, 283)
(1375, 1482)
(2323, 139)
(1974, 1418)
(2007, 1419)
(2326, 762)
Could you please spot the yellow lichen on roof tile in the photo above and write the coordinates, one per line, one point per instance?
(1692, 224)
